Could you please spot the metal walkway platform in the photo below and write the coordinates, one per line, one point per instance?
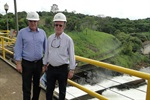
(11, 83)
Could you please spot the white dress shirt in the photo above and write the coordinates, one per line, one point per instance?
(60, 50)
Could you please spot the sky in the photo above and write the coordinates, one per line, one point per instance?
(132, 9)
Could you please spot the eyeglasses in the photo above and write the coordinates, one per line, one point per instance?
(55, 43)
(56, 25)
(32, 21)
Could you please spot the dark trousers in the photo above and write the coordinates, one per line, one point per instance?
(31, 71)
(59, 73)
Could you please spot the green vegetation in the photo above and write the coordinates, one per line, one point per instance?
(147, 35)
(95, 45)
(129, 61)
(106, 47)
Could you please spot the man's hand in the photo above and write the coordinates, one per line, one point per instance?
(70, 74)
(44, 68)
(18, 66)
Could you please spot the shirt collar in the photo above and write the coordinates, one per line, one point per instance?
(30, 29)
(60, 36)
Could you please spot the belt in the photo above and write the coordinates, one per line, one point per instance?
(35, 61)
(64, 65)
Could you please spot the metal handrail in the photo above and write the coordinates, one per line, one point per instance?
(119, 69)
(4, 50)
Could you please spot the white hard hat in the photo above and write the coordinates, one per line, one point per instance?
(32, 16)
(60, 17)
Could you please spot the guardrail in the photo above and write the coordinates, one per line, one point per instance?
(6, 41)
(4, 31)
(96, 63)
(119, 69)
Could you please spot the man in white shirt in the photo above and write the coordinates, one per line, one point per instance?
(59, 58)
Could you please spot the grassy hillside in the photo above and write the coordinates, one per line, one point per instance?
(95, 45)
(105, 47)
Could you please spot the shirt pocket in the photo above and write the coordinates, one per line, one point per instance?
(63, 50)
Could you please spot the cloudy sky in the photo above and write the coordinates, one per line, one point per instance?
(132, 9)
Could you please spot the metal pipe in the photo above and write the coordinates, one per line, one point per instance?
(148, 90)
(16, 16)
(94, 94)
(7, 20)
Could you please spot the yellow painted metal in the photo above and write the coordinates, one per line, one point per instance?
(119, 69)
(3, 51)
(3, 43)
(8, 51)
(114, 67)
(4, 31)
(94, 94)
(3, 34)
(148, 91)
(9, 40)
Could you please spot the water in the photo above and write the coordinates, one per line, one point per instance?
(131, 94)
(111, 94)
(138, 93)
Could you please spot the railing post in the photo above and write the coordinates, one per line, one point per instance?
(3, 49)
(148, 90)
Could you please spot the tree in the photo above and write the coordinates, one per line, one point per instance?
(54, 8)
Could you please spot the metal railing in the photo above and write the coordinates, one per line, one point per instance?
(119, 69)
(4, 33)
(5, 41)
(93, 62)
